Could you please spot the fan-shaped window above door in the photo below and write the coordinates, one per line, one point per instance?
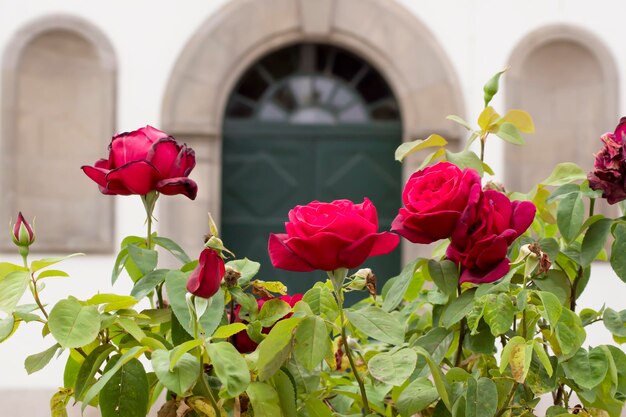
(307, 122)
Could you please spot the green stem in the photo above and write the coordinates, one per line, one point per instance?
(579, 272)
(459, 350)
(203, 382)
(337, 278)
(482, 148)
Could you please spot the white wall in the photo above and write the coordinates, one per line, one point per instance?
(147, 35)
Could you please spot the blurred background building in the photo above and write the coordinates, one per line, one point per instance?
(284, 101)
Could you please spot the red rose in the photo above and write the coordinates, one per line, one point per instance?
(609, 174)
(242, 341)
(328, 236)
(142, 161)
(490, 223)
(205, 280)
(23, 234)
(434, 199)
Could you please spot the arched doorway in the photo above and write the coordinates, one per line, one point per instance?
(307, 122)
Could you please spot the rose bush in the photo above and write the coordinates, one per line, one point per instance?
(143, 161)
(485, 327)
(434, 199)
(329, 236)
(609, 174)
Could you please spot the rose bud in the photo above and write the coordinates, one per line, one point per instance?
(22, 234)
(205, 280)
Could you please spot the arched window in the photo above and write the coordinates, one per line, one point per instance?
(307, 122)
(58, 113)
(567, 81)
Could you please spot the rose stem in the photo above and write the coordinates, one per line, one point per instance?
(459, 351)
(149, 202)
(205, 385)
(337, 276)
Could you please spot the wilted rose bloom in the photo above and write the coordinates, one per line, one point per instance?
(328, 236)
(142, 161)
(205, 280)
(609, 174)
(241, 340)
(23, 234)
(489, 224)
(434, 199)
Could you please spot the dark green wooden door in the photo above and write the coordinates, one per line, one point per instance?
(309, 122)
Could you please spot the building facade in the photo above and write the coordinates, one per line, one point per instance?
(278, 98)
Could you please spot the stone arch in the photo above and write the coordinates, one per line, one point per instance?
(382, 32)
(58, 109)
(568, 80)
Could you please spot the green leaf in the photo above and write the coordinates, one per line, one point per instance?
(118, 266)
(172, 247)
(445, 275)
(182, 377)
(499, 313)
(321, 300)
(275, 348)
(176, 288)
(465, 159)
(416, 397)
(247, 268)
(38, 361)
(542, 356)
(89, 367)
(565, 173)
(7, 326)
(555, 282)
(594, 240)
(226, 331)
(230, 367)
(72, 324)
(264, 400)
(180, 350)
(52, 273)
(440, 382)
(408, 148)
(481, 398)
(284, 386)
(436, 342)
(393, 368)
(587, 369)
(58, 402)
(12, 288)
(518, 354)
(148, 283)
(552, 307)
(399, 286)
(144, 259)
(457, 309)
(618, 249)
(570, 215)
(520, 119)
(570, 334)
(317, 408)
(615, 322)
(312, 342)
(272, 311)
(459, 120)
(509, 133)
(112, 302)
(127, 393)
(95, 389)
(46, 262)
(378, 324)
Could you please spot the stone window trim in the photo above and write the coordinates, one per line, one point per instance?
(9, 67)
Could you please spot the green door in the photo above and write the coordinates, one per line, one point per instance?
(328, 149)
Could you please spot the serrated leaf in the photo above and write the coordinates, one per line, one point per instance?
(416, 397)
(46, 262)
(481, 398)
(393, 368)
(552, 307)
(89, 367)
(247, 268)
(182, 377)
(172, 247)
(322, 302)
(400, 284)
(542, 356)
(226, 331)
(378, 324)
(148, 283)
(594, 240)
(465, 159)
(127, 393)
(509, 133)
(312, 342)
(230, 367)
(275, 348)
(445, 275)
(264, 400)
(570, 334)
(498, 313)
(457, 309)
(272, 311)
(408, 148)
(72, 324)
(587, 369)
(38, 361)
(144, 259)
(615, 322)
(12, 288)
(565, 173)
(570, 215)
(283, 383)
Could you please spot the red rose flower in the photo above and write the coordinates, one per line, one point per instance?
(489, 224)
(609, 174)
(142, 161)
(23, 234)
(328, 236)
(205, 280)
(434, 199)
(242, 341)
